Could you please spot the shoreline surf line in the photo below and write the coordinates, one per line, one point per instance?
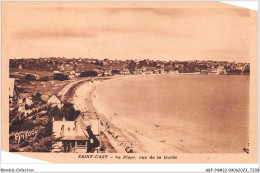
(82, 101)
(122, 138)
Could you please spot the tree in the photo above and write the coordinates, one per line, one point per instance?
(60, 76)
(37, 98)
(116, 72)
(44, 145)
(69, 112)
(169, 68)
(247, 70)
(131, 66)
(88, 73)
(30, 77)
(45, 78)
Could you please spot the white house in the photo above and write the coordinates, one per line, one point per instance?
(27, 101)
(20, 66)
(11, 86)
(54, 101)
(71, 77)
(56, 71)
(21, 108)
(76, 136)
(23, 111)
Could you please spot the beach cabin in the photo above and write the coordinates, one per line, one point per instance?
(55, 101)
(79, 136)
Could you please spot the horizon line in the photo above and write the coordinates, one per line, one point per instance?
(134, 59)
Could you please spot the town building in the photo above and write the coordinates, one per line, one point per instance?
(56, 71)
(68, 67)
(20, 66)
(107, 73)
(24, 105)
(80, 68)
(26, 99)
(71, 76)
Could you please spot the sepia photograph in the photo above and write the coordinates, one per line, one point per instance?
(114, 80)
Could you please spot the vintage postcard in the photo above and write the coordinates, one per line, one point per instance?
(130, 82)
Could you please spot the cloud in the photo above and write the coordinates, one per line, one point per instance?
(153, 21)
(183, 12)
(41, 34)
(146, 32)
(88, 32)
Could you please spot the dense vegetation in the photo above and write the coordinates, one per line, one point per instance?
(60, 76)
(88, 74)
(39, 121)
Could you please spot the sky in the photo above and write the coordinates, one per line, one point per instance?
(175, 31)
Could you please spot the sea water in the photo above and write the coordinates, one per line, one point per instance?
(189, 113)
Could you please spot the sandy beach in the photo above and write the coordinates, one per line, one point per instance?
(146, 133)
(140, 136)
(121, 135)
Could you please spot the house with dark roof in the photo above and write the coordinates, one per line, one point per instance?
(79, 136)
